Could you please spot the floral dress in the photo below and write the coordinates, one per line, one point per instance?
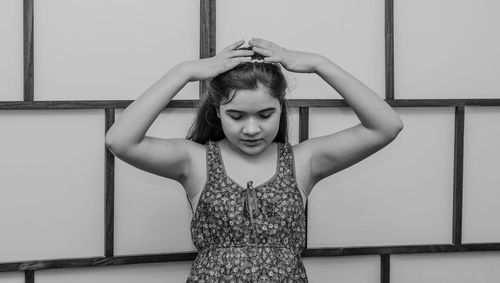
(249, 234)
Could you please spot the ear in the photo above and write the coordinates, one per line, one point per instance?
(218, 112)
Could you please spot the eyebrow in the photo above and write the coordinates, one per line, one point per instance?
(240, 112)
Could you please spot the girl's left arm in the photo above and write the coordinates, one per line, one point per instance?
(323, 156)
(374, 113)
(380, 124)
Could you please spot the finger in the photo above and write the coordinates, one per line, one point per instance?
(242, 53)
(233, 62)
(255, 42)
(239, 60)
(261, 43)
(234, 45)
(271, 60)
(262, 51)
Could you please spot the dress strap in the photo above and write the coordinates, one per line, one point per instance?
(287, 167)
(287, 164)
(214, 163)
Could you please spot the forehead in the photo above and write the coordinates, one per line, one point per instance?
(249, 100)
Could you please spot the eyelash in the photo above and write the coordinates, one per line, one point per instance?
(262, 116)
(266, 116)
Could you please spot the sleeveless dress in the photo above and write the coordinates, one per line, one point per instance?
(247, 234)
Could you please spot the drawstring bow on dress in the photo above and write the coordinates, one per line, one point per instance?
(251, 205)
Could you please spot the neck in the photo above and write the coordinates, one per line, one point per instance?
(236, 151)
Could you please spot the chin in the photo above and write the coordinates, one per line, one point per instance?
(252, 149)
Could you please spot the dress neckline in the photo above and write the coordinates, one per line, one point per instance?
(278, 155)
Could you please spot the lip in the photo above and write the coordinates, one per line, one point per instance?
(251, 141)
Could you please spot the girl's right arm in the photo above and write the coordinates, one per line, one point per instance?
(170, 158)
(127, 140)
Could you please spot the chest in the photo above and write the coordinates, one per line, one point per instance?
(274, 166)
(242, 172)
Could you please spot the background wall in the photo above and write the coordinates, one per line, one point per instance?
(52, 175)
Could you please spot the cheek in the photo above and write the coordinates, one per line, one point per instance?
(229, 126)
(273, 124)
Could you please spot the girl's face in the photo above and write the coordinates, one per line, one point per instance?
(250, 121)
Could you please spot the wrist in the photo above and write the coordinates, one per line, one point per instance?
(319, 62)
(183, 71)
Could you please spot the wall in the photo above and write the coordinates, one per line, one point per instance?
(52, 165)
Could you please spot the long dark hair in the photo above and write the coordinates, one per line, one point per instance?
(207, 126)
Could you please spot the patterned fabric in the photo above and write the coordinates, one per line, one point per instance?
(234, 247)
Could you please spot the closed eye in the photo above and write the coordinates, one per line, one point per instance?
(265, 116)
(267, 113)
(236, 117)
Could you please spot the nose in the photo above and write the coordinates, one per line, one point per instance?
(251, 127)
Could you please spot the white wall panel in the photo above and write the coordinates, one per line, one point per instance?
(151, 273)
(152, 212)
(12, 277)
(351, 33)
(481, 198)
(52, 172)
(360, 269)
(438, 268)
(110, 49)
(400, 195)
(446, 49)
(11, 50)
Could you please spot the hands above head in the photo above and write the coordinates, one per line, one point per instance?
(293, 61)
(232, 55)
(225, 60)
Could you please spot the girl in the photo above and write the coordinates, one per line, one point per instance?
(247, 186)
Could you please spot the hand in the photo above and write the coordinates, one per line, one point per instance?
(293, 61)
(225, 60)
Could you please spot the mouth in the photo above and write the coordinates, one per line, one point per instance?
(251, 142)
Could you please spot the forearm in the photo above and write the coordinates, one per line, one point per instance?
(373, 112)
(134, 122)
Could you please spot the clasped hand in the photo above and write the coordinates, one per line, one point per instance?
(231, 56)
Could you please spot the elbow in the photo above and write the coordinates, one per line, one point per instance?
(110, 143)
(118, 146)
(398, 125)
(390, 131)
(108, 140)
(395, 129)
